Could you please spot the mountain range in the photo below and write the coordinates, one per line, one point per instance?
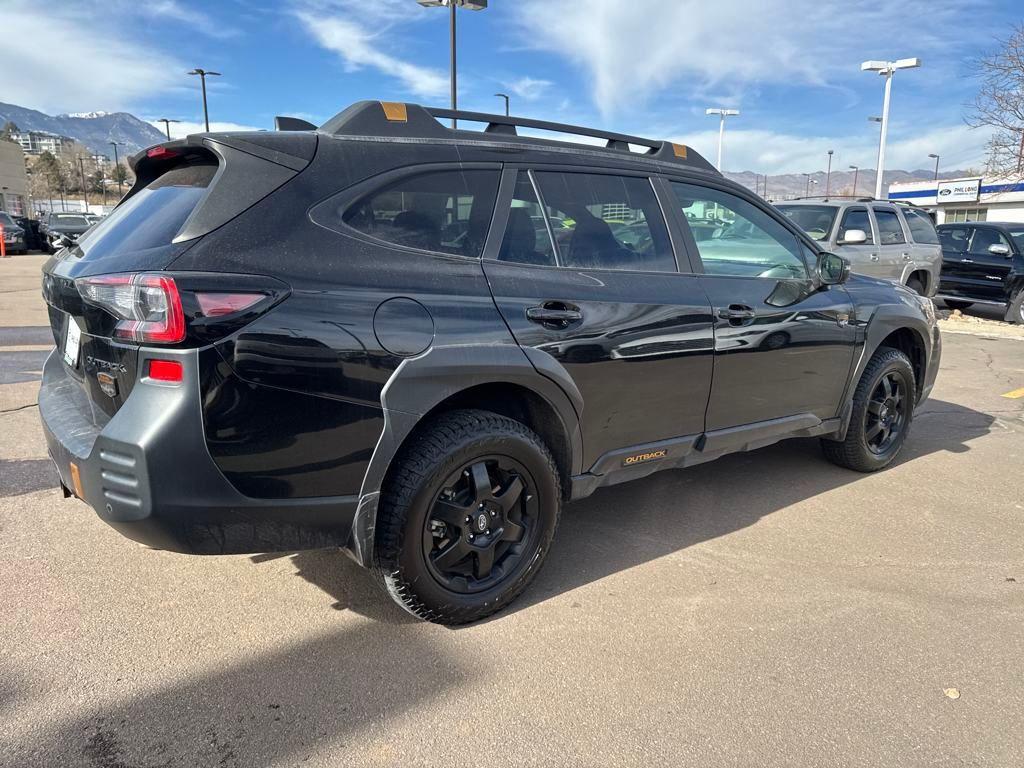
(786, 186)
(93, 129)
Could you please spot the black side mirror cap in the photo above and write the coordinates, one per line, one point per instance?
(831, 269)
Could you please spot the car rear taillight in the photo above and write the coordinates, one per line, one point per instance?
(147, 306)
(221, 304)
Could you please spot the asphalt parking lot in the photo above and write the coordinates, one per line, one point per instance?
(768, 608)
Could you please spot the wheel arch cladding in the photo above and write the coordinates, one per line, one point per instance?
(497, 378)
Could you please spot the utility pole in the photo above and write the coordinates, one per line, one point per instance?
(117, 171)
(828, 175)
(85, 193)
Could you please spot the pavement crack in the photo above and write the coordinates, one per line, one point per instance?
(19, 408)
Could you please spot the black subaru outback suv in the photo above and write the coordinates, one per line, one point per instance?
(418, 342)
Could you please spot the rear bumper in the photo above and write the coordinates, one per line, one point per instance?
(148, 474)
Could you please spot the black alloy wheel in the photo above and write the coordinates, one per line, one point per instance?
(886, 413)
(481, 524)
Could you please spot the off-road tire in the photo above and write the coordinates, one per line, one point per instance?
(853, 451)
(437, 449)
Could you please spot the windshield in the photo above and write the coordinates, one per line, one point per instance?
(815, 220)
(61, 220)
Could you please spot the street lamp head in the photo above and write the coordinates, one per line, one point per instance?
(469, 5)
(830, 151)
(874, 119)
(906, 63)
(874, 66)
(933, 157)
(723, 112)
(853, 167)
(205, 72)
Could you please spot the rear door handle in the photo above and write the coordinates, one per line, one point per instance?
(554, 314)
(874, 257)
(737, 314)
(906, 256)
(966, 261)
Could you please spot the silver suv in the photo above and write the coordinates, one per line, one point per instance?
(897, 242)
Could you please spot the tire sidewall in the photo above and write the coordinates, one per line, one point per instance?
(411, 567)
(1015, 314)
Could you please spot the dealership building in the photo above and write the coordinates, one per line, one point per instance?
(973, 199)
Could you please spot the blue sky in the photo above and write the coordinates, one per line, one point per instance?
(648, 67)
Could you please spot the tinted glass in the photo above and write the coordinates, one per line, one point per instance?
(954, 238)
(921, 227)
(735, 237)
(857, 218)
(152, 216)
(606, 222)
(983, 239)
(526, 238)
(1018, 238)
(67, 220)
(890, 231)
(815, 220)
(443, 211)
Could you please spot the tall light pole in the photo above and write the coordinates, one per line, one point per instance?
(85, 193)
(505, 97)
(722, 114)
(117, 170)
(828, 174)
(855, 170)
(167, 125)
(936, 159)
(886, 69)
(469, 5)
(203, 74)
(807, 184)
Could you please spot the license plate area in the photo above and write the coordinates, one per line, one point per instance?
(72, 342)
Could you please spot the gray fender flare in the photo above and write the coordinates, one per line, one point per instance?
(419, 384)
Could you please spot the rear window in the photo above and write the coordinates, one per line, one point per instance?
(921, 227)
(815, 220)
(68, 220)
(443, 211)
(152, 216)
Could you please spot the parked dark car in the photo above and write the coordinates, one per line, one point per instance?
(59, 230)
(357, 335)
(983, 263)
(14, 235)
(33, 240)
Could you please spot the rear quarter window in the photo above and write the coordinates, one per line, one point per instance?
(152, 216)
(921, 228)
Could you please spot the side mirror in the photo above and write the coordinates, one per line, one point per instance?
(998, 249)
(832, 269)
(853, 237)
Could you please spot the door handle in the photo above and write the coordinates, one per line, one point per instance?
(737, 314)
(874, 257)
(906, 257)
(966, 261)
(554, 314)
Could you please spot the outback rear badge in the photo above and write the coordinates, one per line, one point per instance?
(107, 383)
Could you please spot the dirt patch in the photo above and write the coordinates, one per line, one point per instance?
(957, 322)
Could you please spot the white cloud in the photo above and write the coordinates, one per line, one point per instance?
(357, 33)
(75, 61)
(195, 19)
(631, 50)
(529, 88)
(184, 128)
(769, 152)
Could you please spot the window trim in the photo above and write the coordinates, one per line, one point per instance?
(349, 196)
(801, 237)
(871, 224)
(529, 168)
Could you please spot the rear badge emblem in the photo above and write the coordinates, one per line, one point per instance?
(107, 383)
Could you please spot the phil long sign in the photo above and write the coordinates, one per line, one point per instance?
(963, 191)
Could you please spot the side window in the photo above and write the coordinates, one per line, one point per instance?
(890, 231)
(985, 237)
(921, 227)
(443, 211)
(954, 238)
(857, 218)
(526, 238)
(735, 237)
(606, 222)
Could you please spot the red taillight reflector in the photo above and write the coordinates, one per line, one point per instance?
(220, 304)
(166, 370)
(162, 152)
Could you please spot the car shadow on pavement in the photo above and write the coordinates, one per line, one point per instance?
(626, 525)
(21, 476)
(263, 707)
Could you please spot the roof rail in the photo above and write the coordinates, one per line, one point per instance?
(381, 118)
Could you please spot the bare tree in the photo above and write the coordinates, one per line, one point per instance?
(1000, 103)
